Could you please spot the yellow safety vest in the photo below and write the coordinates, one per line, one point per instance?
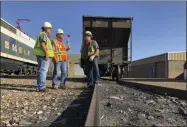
(38, 51)
(91, 47)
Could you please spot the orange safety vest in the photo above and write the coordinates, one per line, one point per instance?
(60, 50)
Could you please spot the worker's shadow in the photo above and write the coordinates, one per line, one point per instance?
(77, 79)
(76, 112)
(28, 88)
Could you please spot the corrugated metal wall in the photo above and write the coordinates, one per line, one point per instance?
(51, 67)
(142, 71)
(162, 57)
(177, 56)
(153, 59)
(168, 65)
(176, 62)
(71, 69)
(161, 69)
(78, 71)
(73, 60)
(176, 69)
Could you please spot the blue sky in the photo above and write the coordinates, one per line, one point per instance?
(158, 27)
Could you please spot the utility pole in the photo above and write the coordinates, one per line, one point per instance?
(68, 53)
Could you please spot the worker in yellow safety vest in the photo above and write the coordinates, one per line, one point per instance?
(90, 56)
(44, 52)
(60, 58)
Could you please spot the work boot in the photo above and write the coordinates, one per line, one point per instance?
(43, 90)
(89, 86)
(63, 87)
(55, 87)
(98, 82)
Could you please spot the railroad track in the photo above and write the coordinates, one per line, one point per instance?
(82, 111)
(93, 117)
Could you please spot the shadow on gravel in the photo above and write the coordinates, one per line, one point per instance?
(82, 79)
(76, 113)
(107, 79)
(72, 79)
(27, 88)
(18, 77)
(22, 77)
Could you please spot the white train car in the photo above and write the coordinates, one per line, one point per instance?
(16, 51)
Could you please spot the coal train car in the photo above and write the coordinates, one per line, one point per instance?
(16, 51)
(114, 37)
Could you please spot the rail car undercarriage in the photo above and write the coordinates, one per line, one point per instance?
(9, 66)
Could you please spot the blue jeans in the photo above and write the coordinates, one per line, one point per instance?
(62, 66)
(43, 67)
(93, 71)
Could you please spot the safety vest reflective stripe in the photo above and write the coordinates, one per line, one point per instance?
(60, 53)
(46, 48)
(59, 57)
(58, 47)
(60, 50)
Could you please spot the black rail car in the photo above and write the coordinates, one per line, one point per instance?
(114, 36)
(16, 51)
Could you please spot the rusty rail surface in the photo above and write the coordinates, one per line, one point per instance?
(93, 116)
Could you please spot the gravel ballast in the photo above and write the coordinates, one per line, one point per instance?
(22, 105)
(125, 106)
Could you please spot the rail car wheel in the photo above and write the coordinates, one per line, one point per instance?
(118, 73)
(113, 75)
(17, 72)
(10, 73)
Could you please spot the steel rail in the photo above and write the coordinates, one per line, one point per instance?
(93, 116)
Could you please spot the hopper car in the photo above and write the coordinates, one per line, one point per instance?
(114, 37)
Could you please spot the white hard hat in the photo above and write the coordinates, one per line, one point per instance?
(59, 31)
(88, 33)
(47, 24)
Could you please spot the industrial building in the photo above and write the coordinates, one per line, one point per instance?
(73, 67)
(168, 65)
